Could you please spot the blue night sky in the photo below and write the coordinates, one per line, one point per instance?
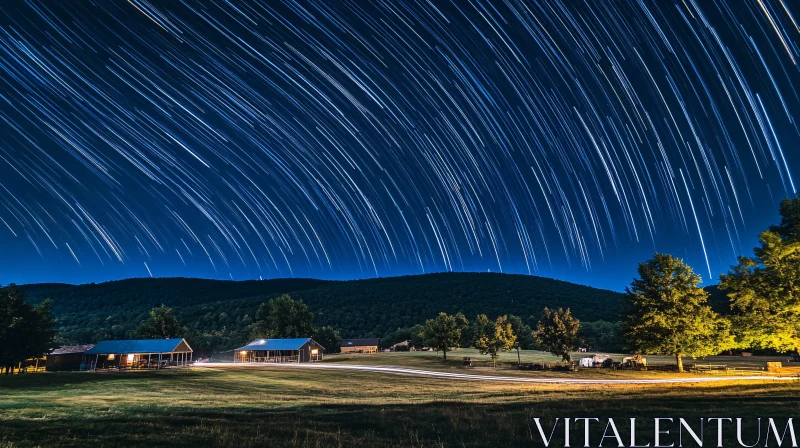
(356, 139)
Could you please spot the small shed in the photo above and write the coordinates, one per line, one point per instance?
(280, 350)
(367, 345)
(138, 354)
(68, 357)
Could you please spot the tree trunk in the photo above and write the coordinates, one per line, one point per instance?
(679, 358)
(444, 353)
(519, 362)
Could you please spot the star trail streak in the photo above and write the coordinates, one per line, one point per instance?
(341, 139)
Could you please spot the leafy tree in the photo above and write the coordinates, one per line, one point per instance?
(161, 324)
(441, 333)
(765, 289)
(601, 335)
(415, 336)
(25, 330)
(493, 337)
(283, 317)
(523, 333)
(668, 312)
(466, 330)
(557, 331)
(329, 338)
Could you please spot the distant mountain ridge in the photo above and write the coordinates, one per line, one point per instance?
(219, 311)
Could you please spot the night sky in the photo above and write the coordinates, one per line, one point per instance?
(356, 139)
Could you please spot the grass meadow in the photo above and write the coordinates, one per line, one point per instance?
(276, 407)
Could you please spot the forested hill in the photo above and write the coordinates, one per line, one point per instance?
(218, 312)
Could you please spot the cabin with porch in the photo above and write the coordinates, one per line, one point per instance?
(280, 350)
(368, 345)
(138, 354)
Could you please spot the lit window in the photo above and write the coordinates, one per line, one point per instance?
(130, 357)
(111, 357)
(314, 351)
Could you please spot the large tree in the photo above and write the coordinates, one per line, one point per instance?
(492, 338)
(557, 332)
(466, 330)
(329, 338)
(442, 332)
(26, 330)
(765, 289)
(283, 317)
(161, 323)
(668, 313)
(523, 333)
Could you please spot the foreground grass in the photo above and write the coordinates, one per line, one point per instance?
(309, 408)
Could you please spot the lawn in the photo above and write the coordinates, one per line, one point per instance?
(311, 408)
(433, 361)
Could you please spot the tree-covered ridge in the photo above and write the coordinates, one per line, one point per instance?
(218, 313)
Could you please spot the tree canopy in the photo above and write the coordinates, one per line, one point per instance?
(283, 317)
(161, 324)
(668, 312)
(557, 332)
(493, 337)
(765, 289)
(523, 332)
(26, 331)
(442, 332)
(329, 338)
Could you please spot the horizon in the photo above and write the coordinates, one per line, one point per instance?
(622, 291)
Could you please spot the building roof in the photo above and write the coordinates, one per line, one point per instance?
(367, 342)
(138, 346)
(69, 349)
(275, 344)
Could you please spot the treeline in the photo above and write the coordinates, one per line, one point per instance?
(218, 314)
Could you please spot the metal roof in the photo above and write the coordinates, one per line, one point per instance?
(275, 344)
(68, 349)
(368, 342)
(136, 346)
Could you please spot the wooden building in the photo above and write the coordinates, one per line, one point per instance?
(68, 357)
(280, 350)
(138, 354)
(368, 345)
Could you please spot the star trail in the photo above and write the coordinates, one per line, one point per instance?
(353, 139)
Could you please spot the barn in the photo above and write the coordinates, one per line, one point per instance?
(68, 357)
(138, 354)
(368, 345)
(280, 350)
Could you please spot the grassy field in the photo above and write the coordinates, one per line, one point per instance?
(310, 408)
(433, 361)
